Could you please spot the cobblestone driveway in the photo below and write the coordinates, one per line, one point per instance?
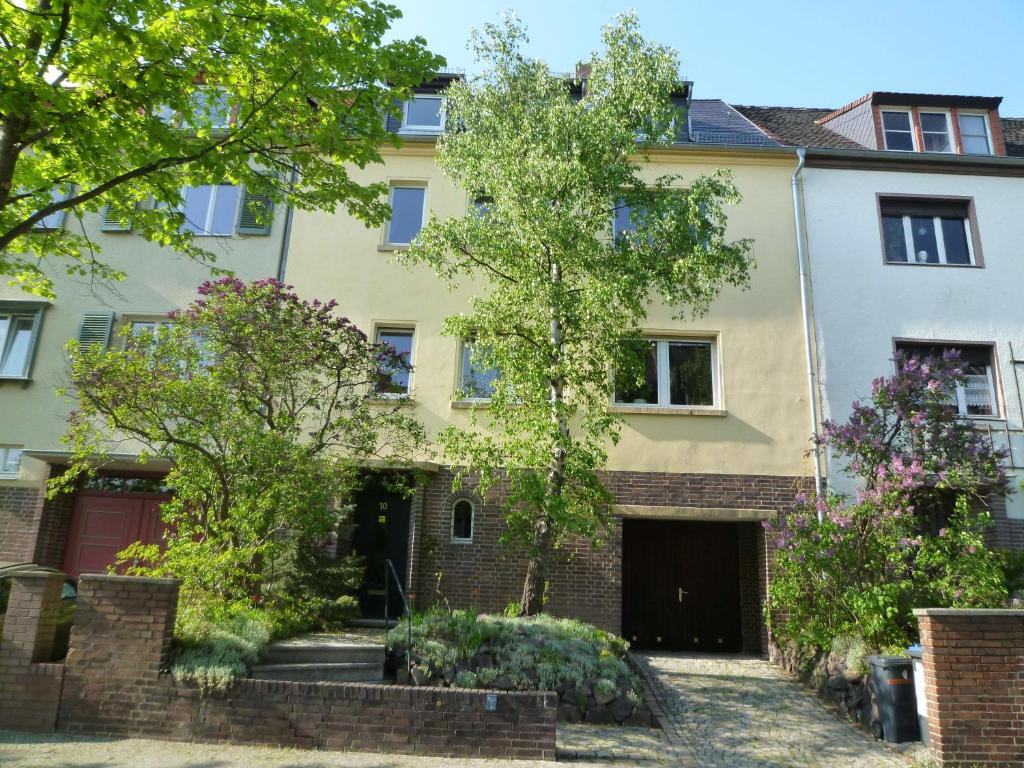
(733, 712)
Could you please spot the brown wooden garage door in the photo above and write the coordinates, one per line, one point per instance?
(102, 524)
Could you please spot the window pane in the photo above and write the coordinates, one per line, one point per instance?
(423, 111)
(933, 121)
(396, 381)
(976, 145)
(476, 382)
(406, 214)
(5, 326)
(11, 460)
(462, 520)
(54, 220)
(689, 366)
(197, 205)
(954, 238)
(895, 241)
(896, 121)
(974, 135)
(15, 359)
(936, 142)
(977, 393)
(647, 391)
(621, 219)
(225, 207)
(212, 108)
(926, 250)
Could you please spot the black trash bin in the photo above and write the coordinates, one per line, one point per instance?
(893, 677)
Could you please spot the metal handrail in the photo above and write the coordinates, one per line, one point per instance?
(389, 570)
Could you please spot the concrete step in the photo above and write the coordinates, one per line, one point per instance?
(336, 672)
(295, 652)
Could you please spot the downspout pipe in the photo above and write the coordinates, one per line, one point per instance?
(286, 236)
(805, 307)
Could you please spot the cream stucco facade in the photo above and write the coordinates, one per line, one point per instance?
(761, 425)
(32, 415)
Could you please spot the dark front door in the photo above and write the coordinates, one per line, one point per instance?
(382, 533)
(680, 585)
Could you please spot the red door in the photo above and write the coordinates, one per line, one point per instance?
(102, 524)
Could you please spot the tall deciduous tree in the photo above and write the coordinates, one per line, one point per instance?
(121, 103)
(265, 406)
(553, 161)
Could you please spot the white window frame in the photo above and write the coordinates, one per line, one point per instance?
(940, 243)
(408, 127)
(16, 311)
(5, 452)
(212, 206)
(389, 327)
(404, 184)
(984, 121)
(472, 521)
(664, 379)
(913, 133)
(464, 347)
(960, 395)
(949, 130)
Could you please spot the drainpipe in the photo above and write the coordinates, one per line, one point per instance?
(286, 236)
(801, 252)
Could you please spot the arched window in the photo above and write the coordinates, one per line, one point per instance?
(462, 521)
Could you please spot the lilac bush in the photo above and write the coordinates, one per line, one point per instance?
(912, 536)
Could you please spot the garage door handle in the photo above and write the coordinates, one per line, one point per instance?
(681, 593)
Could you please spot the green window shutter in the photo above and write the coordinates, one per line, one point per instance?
(112, 222)
(95, 329)
(254, 214)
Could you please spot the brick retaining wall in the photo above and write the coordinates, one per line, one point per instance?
(974, 676)
(113, 686)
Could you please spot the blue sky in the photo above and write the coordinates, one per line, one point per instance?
(806, 53)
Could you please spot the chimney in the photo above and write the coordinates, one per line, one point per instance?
(582, 71)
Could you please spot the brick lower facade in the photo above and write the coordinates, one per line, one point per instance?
(974, 685)
(586, 582)
(33, 529)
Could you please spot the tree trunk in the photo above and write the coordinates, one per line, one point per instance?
(532, 600)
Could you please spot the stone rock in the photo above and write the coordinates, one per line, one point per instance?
(420, 676)
(641, 718)
(402, 676)
(838, 683)
(620, 708)
(599, 715)
(603, 697)
(569, 713)
(586, 687)
(483, 661)
(503, 684)
(570, 694)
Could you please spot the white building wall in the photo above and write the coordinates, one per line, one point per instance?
(861, 304)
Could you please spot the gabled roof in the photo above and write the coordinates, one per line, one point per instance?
(796, 126)
(1013, 135)
(712, 121)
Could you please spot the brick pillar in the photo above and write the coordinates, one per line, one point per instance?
(29, 687)
(31, 623)
(974, 681)
(123, 624)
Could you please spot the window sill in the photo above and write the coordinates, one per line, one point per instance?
(393, 247)
(17, 379)
(926, 264)
(470, 403)
(658, 410)
(382, 398)
(460, 541)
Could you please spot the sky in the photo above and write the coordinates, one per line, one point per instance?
(800, 53)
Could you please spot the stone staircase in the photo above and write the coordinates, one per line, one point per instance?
(325, 658)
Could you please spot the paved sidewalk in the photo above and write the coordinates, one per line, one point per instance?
(741, 712)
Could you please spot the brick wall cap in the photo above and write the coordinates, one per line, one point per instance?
(966, 612)
(40, 574)
(129, 579)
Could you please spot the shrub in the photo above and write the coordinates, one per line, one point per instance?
(468, 650)
(212, 650)
(914, 535)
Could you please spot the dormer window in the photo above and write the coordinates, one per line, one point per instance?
(935, 132)
(423, 114)
(974, 133)
(899, 130)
